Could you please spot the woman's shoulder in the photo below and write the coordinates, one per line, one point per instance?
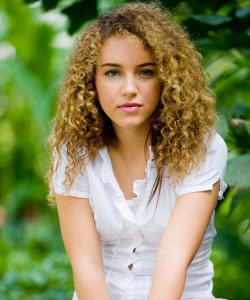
(217, 147)
(217, 141)
(79, 186)
(210, 171)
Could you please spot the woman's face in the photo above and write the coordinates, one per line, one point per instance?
(127, 82)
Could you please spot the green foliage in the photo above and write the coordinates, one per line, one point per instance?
(38, 268)
(213, 20)
(79, 12)
(230, 253)
(238, 171)
(33, 263)
(50, 4)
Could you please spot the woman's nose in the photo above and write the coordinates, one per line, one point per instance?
(129, 86)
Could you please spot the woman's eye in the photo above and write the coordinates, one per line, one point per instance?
(111, 73)
(143, 73)
(147, 73)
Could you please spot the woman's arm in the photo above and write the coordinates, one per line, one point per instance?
(83, 247)
(180, 242)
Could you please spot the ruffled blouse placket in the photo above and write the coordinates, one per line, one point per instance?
(144, 213)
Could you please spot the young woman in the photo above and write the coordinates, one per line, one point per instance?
(137, 167)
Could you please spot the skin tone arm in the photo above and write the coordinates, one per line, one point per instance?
(180, 242)
(83, 247)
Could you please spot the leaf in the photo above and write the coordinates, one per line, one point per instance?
(239, 197)
(235, 200)
(238, 171)
(49, 4)
(243, 12)
(213, 20)
(247, 227)
(239, 133)
(30, 1)
(80, 12)
(241, 111)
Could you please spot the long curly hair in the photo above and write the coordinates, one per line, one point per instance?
(184, 119)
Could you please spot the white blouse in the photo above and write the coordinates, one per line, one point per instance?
(130, 232)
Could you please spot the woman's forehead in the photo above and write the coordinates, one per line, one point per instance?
(119, 47)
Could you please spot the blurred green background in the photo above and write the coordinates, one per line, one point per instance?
(35, 41)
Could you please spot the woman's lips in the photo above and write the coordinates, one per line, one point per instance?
(130, 107)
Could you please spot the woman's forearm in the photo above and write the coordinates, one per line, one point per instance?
(90, 282)
(168, 282)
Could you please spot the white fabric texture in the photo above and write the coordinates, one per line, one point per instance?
(130, 232)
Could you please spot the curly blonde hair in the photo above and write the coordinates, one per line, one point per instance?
(184, 119)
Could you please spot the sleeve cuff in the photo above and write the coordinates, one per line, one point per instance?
(72, 193)
(205, 187)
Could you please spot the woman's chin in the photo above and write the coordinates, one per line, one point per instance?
(131, 125)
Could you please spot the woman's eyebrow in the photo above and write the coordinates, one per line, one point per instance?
(116, 65)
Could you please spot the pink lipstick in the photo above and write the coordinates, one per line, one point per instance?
(130, 107)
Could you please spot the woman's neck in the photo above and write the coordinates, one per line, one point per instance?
(131, 142)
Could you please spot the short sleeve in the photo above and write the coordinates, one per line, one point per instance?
(80, 185)
(210, 172)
